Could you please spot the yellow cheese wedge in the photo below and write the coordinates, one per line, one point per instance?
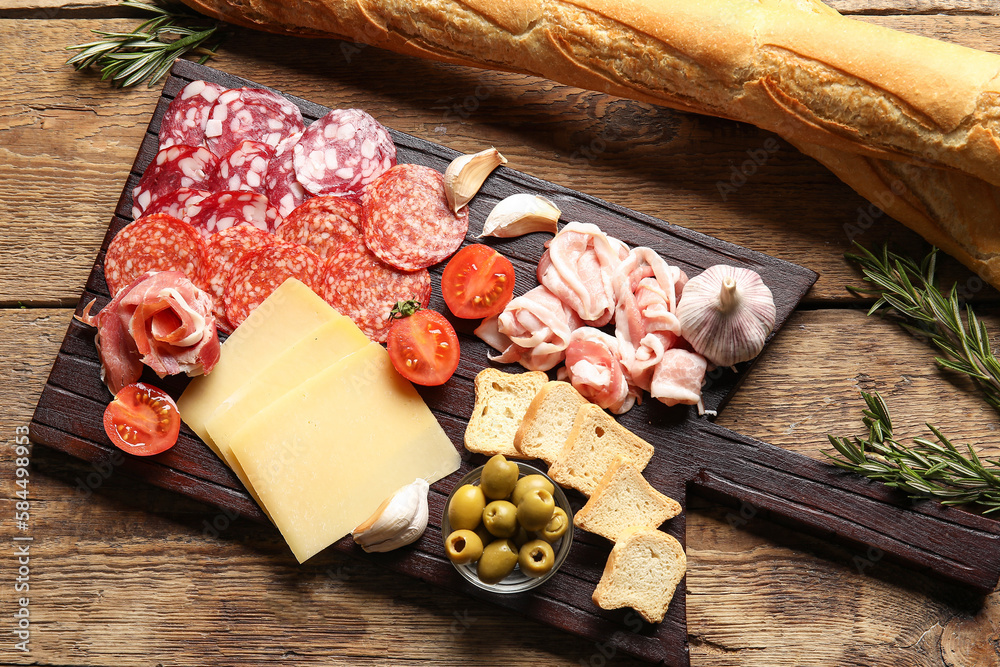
(326, 454)
(320, 349)
(290, 314)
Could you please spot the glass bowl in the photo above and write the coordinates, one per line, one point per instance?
(516, 581)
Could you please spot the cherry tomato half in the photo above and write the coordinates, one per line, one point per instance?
(142, 420)
(478, 282)
(424, 348)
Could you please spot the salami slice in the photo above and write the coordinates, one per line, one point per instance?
(342, 152)
(244, 168)
(362, 287)
(153, 243)
(172, 168)
(175, 204)
(222, 210)
(261, 271)
(186, 117)
(323, 224)
(407, 221)
(282, 188)
(250, 114)
(222, 253)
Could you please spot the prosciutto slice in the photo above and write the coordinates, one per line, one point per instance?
(646, 294)
(578, 267)
(533, 330)
(678, 378)
(162, 320)
(594, 368)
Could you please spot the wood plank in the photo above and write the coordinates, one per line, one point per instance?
(889, 7)
(72, 135)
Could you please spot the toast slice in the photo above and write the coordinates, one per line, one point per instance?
(624, 498)
(592, 445)
(642, 572)
(548, 421)
(501, 402)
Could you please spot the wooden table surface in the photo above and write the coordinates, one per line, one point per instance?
(122, 573)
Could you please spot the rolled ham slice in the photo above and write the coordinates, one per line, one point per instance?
(594, 368)
(533, 330)
(678, 378)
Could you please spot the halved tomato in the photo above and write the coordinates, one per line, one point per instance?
(423, 346)
(478, 282)
(142, 420)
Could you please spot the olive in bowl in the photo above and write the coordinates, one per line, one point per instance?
(525, 534)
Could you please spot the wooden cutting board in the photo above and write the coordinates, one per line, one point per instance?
(691, 452)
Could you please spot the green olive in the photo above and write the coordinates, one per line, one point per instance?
(535, 509)
(485, 536)
(463, 546)
(499, 477)
(527, 483)
(536, 558)
(556, 527)
(498, 560)
(465, 510)
(522, 537)
(500, 518)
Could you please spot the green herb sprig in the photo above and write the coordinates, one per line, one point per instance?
(927, 469)
(127, 58)
(907, 293)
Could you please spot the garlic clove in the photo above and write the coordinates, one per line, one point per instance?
(466, 174)
(398, 521)
(521, 214)
(726, 314)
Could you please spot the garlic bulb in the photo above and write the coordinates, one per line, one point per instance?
(466, 174)
(521, 214)
(726, 313)
(398, 521)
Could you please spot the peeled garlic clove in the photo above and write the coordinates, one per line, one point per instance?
(521, 214)
(726, 314)
(399, 520)
(466, 174)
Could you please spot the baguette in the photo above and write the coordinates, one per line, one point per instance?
(501, 401)
(642, 572)
(548, 421)
(842, 90)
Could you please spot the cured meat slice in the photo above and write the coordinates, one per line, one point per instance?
(342, 152)
(261, 271)
(222, 210)
(362, 287)
(281, 186)
(323, 224)
(407, 221)
(175, 204)
(153, 243)
(250, 114)
(172, 168)
(186, 117)
(244, 168)
(224, 251)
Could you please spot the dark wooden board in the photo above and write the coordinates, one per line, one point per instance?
(690, 452)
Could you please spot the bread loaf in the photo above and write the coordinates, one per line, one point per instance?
(852, 94)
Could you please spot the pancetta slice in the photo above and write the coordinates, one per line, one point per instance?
(533, 330)
(594, 368)
(678, 377)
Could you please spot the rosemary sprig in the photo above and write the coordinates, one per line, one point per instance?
(126, 58)
(927, 469)
(907, 293)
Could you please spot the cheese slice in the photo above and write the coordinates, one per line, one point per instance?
(325, 455)
(291, 313)
(320, 349)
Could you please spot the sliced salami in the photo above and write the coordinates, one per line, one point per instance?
(172, 168)
(407, 221)
(261, 271)
(222, 253)
(282, 188)
(175, 204)
(244, 168)
(186, 117)
(153, 243)
(222, 210)
(362, 287)
(250, 114)
(342, 152)
(323, 224)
